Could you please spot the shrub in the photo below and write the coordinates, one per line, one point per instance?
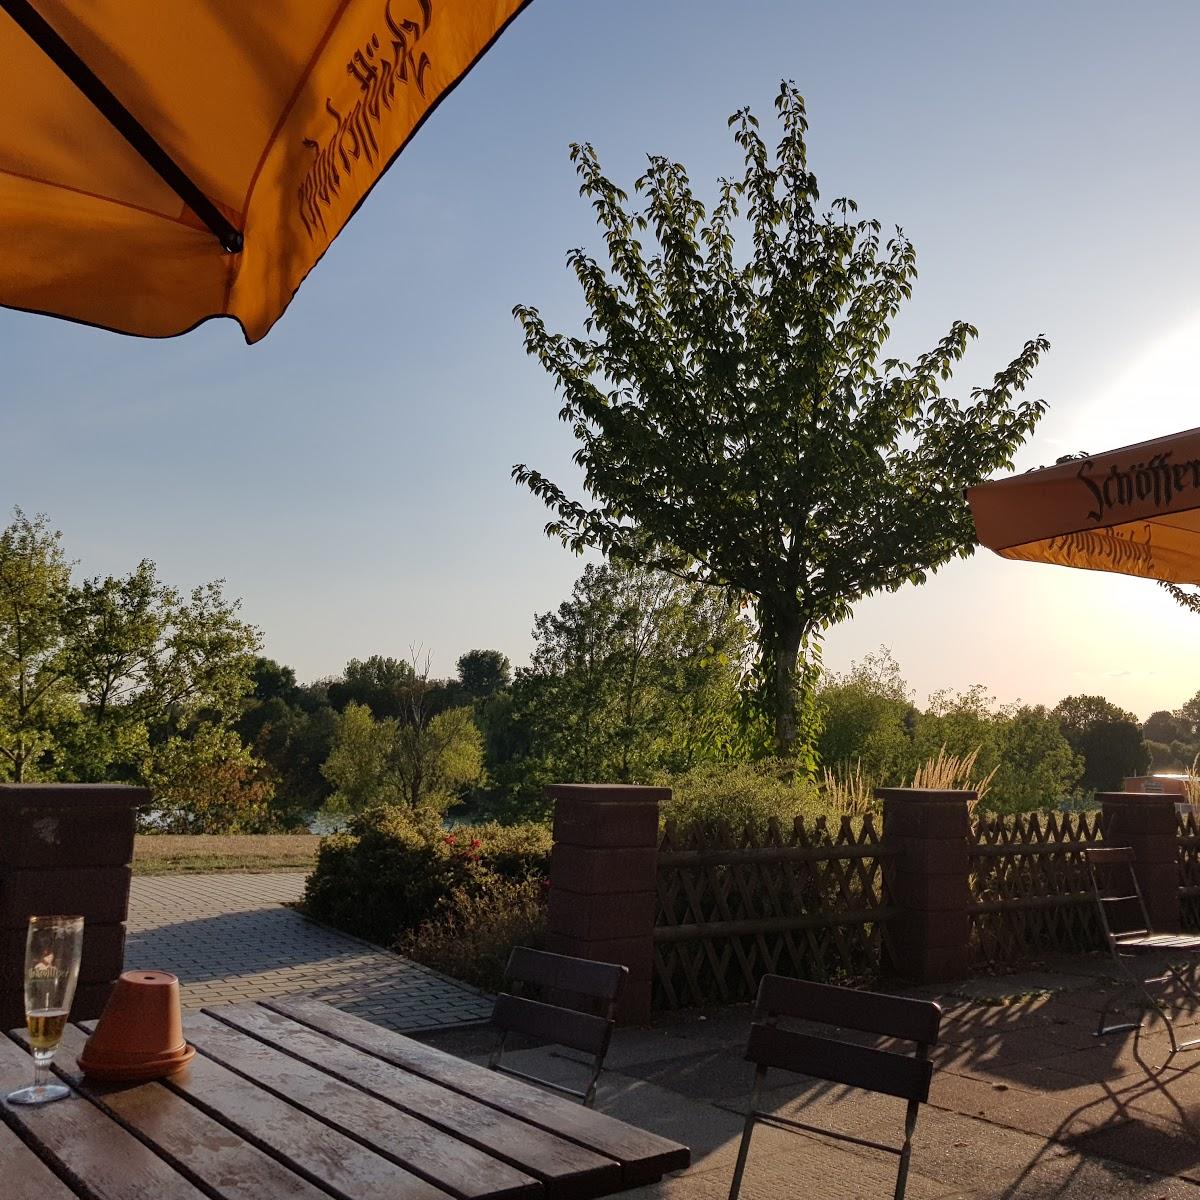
(511, 851)
(740, 793)
(477, 926)
(393, 866)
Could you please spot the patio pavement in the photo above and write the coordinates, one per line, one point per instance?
(1025, 1102)
(229, 937)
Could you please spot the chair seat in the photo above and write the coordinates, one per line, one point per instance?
(1151, 943)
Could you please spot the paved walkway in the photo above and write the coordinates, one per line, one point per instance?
(229, 937)
(1026, 1103)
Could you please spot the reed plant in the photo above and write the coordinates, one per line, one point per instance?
(953, 772)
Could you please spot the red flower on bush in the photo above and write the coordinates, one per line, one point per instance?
(475, 843)
(450, 839)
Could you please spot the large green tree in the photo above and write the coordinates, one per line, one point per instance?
(867, 720)
(120, 677)
(37, 699)
(737, 421)
(291, 728)
(1107, 738)
(1037, 767)
(634, 674)
(483, 673)
(422, 760)
(379, 682)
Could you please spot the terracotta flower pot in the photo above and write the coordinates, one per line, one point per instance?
(141, 1028)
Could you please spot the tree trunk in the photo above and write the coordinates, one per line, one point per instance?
(785, 650)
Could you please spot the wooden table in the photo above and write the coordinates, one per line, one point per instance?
(292, 1098)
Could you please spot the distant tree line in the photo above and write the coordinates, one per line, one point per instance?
(637, 676)
(1173, 737)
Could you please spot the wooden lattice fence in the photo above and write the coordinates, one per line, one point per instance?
(1189, 871)
(809, 902)
(1030, 889)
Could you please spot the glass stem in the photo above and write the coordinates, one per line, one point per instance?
(41, 1067)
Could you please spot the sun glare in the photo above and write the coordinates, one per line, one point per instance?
(1155, 395)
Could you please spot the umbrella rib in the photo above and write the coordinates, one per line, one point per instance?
(123, 121)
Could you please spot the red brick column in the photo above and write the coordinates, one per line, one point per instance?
(603, 881)
(65, 848)
(1148, 823)
(928, 880)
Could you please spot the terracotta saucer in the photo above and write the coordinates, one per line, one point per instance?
(102, 1061)
(137, 1072)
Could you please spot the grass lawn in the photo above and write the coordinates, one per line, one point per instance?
(169, 853)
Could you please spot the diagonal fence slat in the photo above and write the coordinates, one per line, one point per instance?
(811, 902)
(1029, 885)
(1188, 834)
(733, 905)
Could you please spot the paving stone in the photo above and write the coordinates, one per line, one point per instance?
(229, 937)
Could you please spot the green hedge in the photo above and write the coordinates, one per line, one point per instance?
(393, 869)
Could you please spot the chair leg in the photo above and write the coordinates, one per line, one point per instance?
(910, 1124)
(497, 1050)
(744, 1148)
(1179, 976)
(589, 1099)
(1135, 982)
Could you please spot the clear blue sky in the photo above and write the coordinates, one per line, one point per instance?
(349, 476)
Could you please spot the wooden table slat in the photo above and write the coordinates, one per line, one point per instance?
(89, 1145)
(644, 1156)
(345, 1167)
(197, 1142)
(25, 1176)
(451, 1164)
(568, 1171)
(293, 1100)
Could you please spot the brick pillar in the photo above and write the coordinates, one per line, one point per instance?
(65, 848)
(603, 881)
(928, 880)
(1148, 823)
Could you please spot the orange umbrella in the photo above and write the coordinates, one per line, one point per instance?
(162, 163)
(1135, 511)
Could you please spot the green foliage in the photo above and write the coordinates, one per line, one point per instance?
(1163, 757)
(1107, 738)
(868, 719)
(735, 420)
(742, 793)
(483, 673)
(436, 757)
(870, 725)
(359, 762)
(125, 678)
(1163, 726)
(379, 683)
(208, 783)
(394, 867)
(294, 741)
(476, 928)
(37, 698)
(960, 723)
(1189, 718)
(424, 762)
(636, 673)
(1036, 766)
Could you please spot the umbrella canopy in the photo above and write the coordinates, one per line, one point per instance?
(1135, 511)
(162, 163)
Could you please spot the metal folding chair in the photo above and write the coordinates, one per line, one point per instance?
(870, 1068)
(1127, 929)
(568, 982)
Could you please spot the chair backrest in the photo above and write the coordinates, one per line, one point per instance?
(1115, 886)
(835, 1059)
(560, 978)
